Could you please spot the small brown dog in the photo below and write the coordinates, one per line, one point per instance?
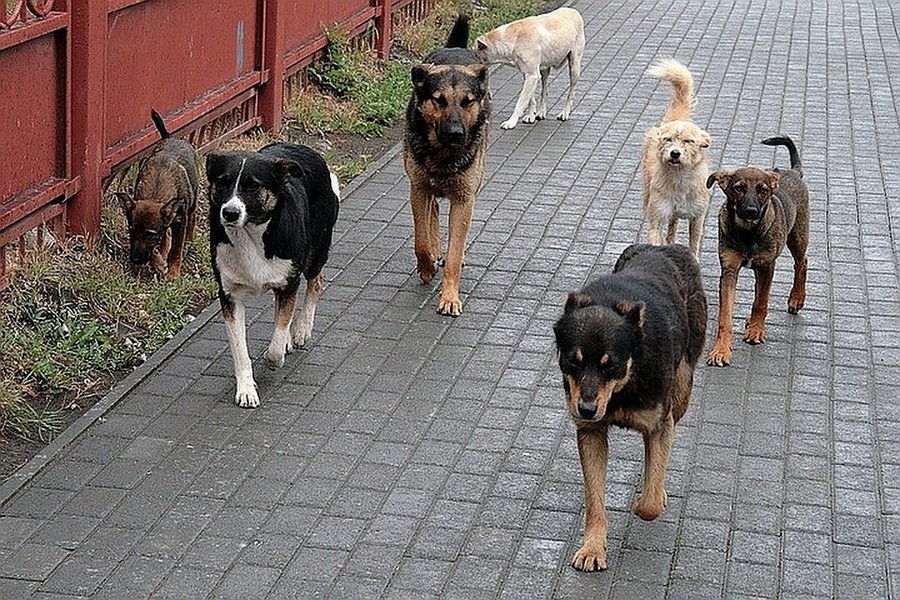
(764, 211)
(161, 212)
(447, 123)
(674, 164)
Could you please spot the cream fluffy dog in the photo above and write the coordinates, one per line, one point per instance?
(534, 45)
(674, 164)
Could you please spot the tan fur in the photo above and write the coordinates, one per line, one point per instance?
(674, 164)
(535, 45)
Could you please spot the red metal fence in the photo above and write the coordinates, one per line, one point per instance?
(78, 79)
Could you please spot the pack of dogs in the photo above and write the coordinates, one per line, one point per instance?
(627, 343)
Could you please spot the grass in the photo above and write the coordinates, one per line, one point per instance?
(75, 319)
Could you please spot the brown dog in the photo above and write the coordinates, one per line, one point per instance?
(161, 212)
(447, 122)
(763, 211)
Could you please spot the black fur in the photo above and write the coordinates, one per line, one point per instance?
(651, 309)
(303, 216)
(783, 140)
(160, 124)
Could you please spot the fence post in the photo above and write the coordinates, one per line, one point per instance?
(271, 94)
(384, 28)
(88, 85)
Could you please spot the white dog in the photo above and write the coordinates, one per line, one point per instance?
(534, 45)
(674, 164)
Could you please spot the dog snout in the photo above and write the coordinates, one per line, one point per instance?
(675, 155)
(587, 410)
(750, 212)
(139, 256)
(232, 212)
(455, 132)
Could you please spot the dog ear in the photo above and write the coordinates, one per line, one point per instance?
(480, 47)
(285, 169)
(216, 166)
(169, 210)
(774, 179)
(632, 311)
(481, 76)
(420, 79)
(705, 140)
(577, 300)
(720, 177)
(126, 201)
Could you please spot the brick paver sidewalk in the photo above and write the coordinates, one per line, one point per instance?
(409, 455)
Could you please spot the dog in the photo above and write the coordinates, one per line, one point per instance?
(161, 211)
(447, 124)
(628, 344)
(764, 211)
(535, 45)
(674, 164)
(271, 216)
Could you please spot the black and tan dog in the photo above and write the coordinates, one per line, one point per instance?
(764, 210)
(271, 216)
(628, 344)
(447, 122)
(161, 211)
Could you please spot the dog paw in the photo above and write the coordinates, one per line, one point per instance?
(427, 270)
(274, 356)
(509, 124)
(794, 305)
(719, 357)
(302, 336)
(529, 119)
(590, 557)
(648, 507)
(563, 116)
(755, 335)
(247, 398)
(450, 306)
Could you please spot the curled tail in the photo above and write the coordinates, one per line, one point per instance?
(682, 105)
(459, 36)
(783, 140)
(160, 124)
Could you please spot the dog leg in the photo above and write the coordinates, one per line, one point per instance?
(593, 450)
(672, 231)
(304, 327)
(460, 220)
(176, 254)
(159, 258)
(756, 327)
(526, 97)
(281, 344)
(233, 314)
(657, 446)
(574, 75)
(696, 235)
(720, 355)
(797, 244)
(542, 106)
(425, 214)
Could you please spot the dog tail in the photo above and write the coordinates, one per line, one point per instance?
(783, 140)
(335, 185)
(459, 36)
(682, 105)
(160, 124)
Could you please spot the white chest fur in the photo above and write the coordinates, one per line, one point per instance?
(243, 265)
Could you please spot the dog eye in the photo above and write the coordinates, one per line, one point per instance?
(467, 102)
(762, 190)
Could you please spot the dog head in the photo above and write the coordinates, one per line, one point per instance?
(149, 222)
(452, 101)
(595, 345)
(493, 47)
(244, 186)
(748, 191)
(678, 144)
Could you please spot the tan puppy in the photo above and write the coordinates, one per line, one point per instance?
(534, 45)
(674, 164)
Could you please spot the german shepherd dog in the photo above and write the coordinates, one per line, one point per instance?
(162, 210)
(764, 211)
(271, 215)
(628, 344)
(447, 123)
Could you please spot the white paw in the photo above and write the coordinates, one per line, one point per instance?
(247, 397)
(529, 118)
(509, 124)
(563, 116)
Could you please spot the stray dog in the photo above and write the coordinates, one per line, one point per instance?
(674, 164)
(534, 45)
(628, 344)
(161, 212)
(271, 215)
(444, 149)
(763, 211)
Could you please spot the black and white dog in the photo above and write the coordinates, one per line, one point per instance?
(271, 215)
